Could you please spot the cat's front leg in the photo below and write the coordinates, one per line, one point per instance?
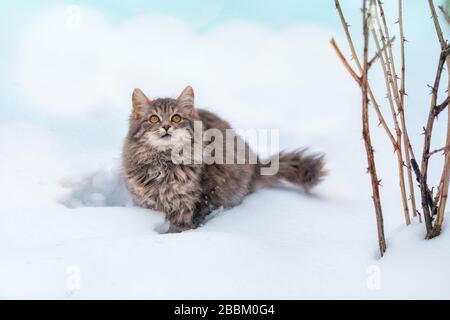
(181, 221)
(175, 228)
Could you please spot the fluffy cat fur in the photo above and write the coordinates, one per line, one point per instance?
(186, 193)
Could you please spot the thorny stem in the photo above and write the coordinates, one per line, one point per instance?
(366, 134)
(429, 209)
(355, 58)
(445, 14)
(384, 34)
(377, 55)
(345, 62)
(384, 59)
(445, 177)
(406, 143)
(446, 149)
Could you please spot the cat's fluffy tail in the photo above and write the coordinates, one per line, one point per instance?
(296, 167)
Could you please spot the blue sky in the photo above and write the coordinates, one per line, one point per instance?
(201, 15)
(16, 16)
(276, 13)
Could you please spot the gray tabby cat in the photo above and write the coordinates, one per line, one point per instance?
(187, 192)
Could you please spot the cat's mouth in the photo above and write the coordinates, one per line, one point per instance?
(166, 136)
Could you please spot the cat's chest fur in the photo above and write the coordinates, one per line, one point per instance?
(164, 186)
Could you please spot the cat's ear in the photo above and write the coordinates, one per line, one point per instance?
(186, 98)
(140, 103)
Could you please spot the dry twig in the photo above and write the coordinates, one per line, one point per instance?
(406, 142)
(429, 209)
(433, 205)
(366, 134)
(355, 58)
(365, 93)
(436, 207)
(386, 62)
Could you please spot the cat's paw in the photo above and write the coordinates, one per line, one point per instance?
(173, 228)
(162, 228)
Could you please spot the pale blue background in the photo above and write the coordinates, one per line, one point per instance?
(16, 15)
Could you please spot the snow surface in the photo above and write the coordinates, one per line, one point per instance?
(277, 244)
(67, 226)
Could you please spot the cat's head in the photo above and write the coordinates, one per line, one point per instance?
(163, 123)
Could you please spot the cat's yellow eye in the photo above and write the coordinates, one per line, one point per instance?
(176, 119)
(154, 119)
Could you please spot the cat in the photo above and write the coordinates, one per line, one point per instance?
(187, 192)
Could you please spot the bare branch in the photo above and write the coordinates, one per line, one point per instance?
(445, 14)
(384, 35)
(437, 25)
(441, 107)
(377, 55)
(366, 134)
(408, 151)
(345, 62)
(398, 131)
(375, 104)
(446, 149)
(349, 37)
(445, 177)
(427, 205)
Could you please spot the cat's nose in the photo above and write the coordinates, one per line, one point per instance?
(166, 127)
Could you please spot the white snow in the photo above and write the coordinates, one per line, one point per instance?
(57, 222)
(68, 229)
